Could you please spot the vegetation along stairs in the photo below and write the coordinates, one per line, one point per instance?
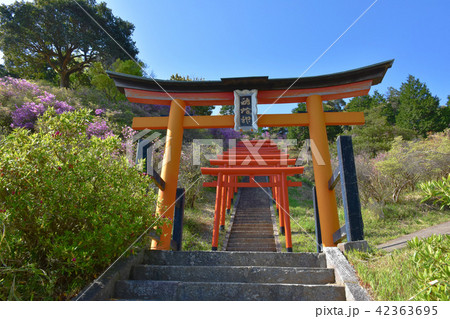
(251, 268)
(203, 275)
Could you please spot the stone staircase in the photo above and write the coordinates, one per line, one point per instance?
(197, 275)
(252, 224)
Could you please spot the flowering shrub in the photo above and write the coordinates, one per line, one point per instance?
(225, 134)
(68, 207)
(99, 129)
(24, 102)
(27, 114)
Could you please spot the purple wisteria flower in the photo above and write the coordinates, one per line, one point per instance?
(128, 132)
(99, 112)
(26, 114)
(16, 86)
(225, 133)
(47, 98)
(99, 129)
(62, 107)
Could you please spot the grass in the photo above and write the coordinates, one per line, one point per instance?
(400, 219)
(387, 276)
(418, 272)
(381, 224)
(198, 224)
(302, 217)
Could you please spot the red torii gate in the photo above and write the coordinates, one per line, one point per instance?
(283, 172)
(252, 164)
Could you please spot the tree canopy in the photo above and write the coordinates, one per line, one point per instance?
(57, 37)
(301, 133)
(410, 112)
(102, 82)
(226, 110)
(418, 109)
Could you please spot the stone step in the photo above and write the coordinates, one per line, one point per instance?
(239, 225)
(255, 223)
(266, 218)
(252, 249)
(252, 217)
(223, 258)
(250, 235)
(245, 274)
(249, 212)
(251, 226)
(248, 222)
(254, 240)
(252, 231)
(223, 291)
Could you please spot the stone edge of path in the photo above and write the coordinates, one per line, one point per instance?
(345, 275)
(103, 288)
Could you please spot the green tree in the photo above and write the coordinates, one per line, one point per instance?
(58, 36)
(334, 106)
(377, 134)
(227, 110)
(419, 110)
(277, 131)
(368, 102)
(198, 110)
(101, 81)
(301, 133)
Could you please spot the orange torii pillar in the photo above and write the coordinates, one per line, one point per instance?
(326, 199)
(170, 170)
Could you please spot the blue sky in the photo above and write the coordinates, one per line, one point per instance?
(214, 39)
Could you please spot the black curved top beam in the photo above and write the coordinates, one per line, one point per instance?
(374, 72)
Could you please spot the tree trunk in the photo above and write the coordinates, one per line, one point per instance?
(64, 81)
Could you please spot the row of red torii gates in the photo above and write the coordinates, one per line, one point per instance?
(312, 90)
(252, 158)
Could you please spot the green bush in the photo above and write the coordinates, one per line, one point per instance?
(384, 178)
(439, 191)
(69, 206)
(191, 178)
(410, 162)
(432, 261)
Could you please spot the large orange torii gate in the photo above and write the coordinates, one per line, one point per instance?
(312, 90)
